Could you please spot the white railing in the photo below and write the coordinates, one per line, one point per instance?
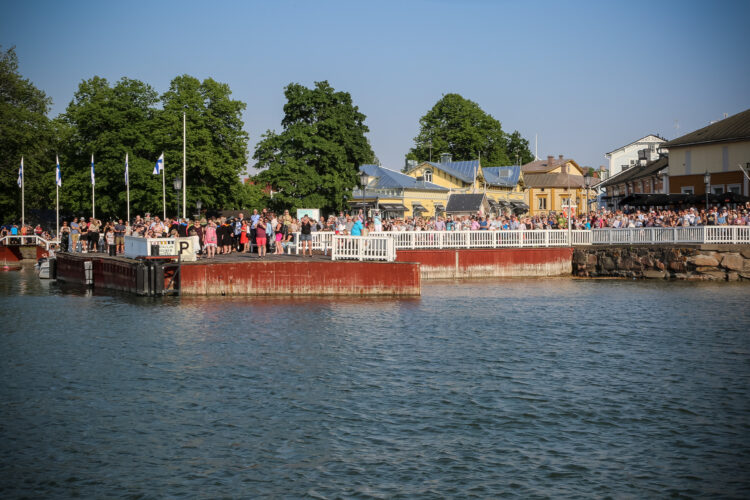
(363, 248)
(486, 239)
(28, 239)
(679, 234)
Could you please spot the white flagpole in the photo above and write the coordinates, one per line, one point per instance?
(57, 197)
(164, 189)
(23, 208)
(93, 181)
(184, 169)
(127, 183)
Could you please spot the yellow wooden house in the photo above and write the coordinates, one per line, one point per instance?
(503, 185)
(552, 184)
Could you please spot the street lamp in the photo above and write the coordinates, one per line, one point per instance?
(363, 178)
(587, 182)
(198, 206)
(177, 188)
(707, 180)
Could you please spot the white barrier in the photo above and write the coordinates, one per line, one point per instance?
(363, 248)
(141, 247)
(27, 239)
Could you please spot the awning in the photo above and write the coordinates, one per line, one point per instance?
(519, 204)
(416, 207)
(503, 203)
(392, 207)
(492, 202)
(440, 207)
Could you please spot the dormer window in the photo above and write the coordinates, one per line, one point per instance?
(428, 176)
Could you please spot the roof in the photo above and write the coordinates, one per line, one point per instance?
(637, 172)
(390, 179)
(636, 142)
(734, 128)
(502, 176)
(464, 170)
(553, 181)
(543, 166)
(465, 202)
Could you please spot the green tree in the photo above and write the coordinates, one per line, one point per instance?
(459, 126)
(216, 142)
(108, 122)
(314, 161)
(25, 131)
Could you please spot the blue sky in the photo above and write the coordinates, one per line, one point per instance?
(586, 77)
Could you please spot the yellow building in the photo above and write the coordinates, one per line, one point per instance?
(503, 186)
(552, 183)
(398, 195)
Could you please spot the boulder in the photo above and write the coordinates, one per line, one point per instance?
(715, 275)
(732, 276)
(745, 252)
(591, 260)
(703, 260)
(707, 269)
(607, 263)
(676, 266)
(733, 261)
(654, 275)
(680, 276)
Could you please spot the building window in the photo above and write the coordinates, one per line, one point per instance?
(541, 203)
(428, 175)
(734, 188)
(717, 189)
(687, 190)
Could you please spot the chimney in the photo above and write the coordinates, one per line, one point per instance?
(550, 160)
(446, 157)
(560, 157)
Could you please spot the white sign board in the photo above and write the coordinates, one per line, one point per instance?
(313, 213)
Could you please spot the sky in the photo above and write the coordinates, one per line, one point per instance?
(584, 78)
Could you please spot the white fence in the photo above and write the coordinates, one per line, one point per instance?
(29, 239)
(363, 248)
(486, 239)
(695, 234)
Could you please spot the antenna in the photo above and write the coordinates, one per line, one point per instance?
(536, 147)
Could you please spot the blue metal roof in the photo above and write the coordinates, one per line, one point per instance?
(390, 179)
(502, 176)
(464, 170)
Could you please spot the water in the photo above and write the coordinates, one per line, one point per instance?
(511, 388)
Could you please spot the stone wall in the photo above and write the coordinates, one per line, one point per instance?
(687, 262)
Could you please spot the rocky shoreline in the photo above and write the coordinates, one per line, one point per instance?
(679, 262)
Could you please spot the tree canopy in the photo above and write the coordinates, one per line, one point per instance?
(25, 131)
(459, 126)
(314, 161)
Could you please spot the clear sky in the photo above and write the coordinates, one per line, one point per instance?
(586, 77)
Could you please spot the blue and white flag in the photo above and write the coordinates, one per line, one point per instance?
(20, 174)
(159, 165)
(58, 174)
(93, 178)
(127, 181)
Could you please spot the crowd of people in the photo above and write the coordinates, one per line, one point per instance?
(265, 232)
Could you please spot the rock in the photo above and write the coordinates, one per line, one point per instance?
(703, 260)
(733, 261)
(660, 265)
(732, 276)
(707, 269)
(715, 276)
(678, 267)
(746, 266)
(680, 276)
(591, 261)
(654, 275)
(579, 258)
(745, 252)
(607, 263)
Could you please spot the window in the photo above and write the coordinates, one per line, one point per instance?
(687, 190)
(717, 189)
(428, 175)
(541, 203)
(734, 188)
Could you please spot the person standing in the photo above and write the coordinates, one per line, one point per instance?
(260, 236)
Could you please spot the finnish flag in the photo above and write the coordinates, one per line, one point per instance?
(159, 165)
(58, 174)
(20, 174)
(93, 178)
(127, 182)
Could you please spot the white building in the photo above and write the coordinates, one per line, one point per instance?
(628, 156)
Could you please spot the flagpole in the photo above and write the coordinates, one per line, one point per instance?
(127, 183)
(93, 200)
(57, 198)
(164, 189)
(23, 208)
(184, 169)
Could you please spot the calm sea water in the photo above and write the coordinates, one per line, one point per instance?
(513, 388)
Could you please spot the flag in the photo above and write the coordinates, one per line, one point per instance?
(58, 174)
(127, 181)
(93, 179)
(159, 165)
(20, 174)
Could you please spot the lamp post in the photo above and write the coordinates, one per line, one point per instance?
(707, 180)
(177, 188)
(363, 178)
(587, 182)
(198, 206)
